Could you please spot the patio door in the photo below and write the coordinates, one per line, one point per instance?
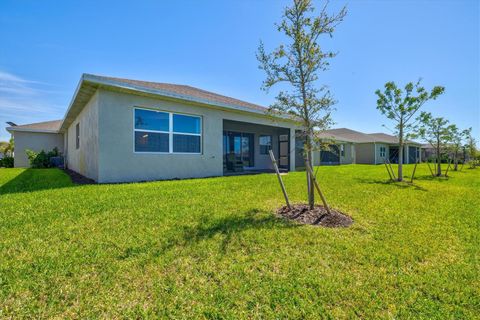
(283, 151)
(237, 150)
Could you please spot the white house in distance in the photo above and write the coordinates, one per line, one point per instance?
(374, 148)
(121, 130)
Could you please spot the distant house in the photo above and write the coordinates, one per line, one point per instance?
(428, 151)
(372, 148)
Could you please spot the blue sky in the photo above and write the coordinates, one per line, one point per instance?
(47, 45)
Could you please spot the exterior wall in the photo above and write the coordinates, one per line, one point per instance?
(365, 153)
(117, 161)
(348, 157)
(84, 160)
(34, 141)
(261, 161)
(379, 159)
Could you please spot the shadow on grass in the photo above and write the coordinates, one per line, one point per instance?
(230, 226)
(432, 178)
(35, 180)
(401, 185)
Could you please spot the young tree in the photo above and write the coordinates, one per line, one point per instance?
(7, 148)
(457, 137)
(400, 106)
(436, 132)
(298, 64)
(471, 147)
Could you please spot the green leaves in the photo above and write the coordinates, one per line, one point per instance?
(401, 105)
(298, 62)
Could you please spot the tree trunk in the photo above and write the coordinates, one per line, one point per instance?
(439, 160)
(311, 190)
(400, 152)
(455, 161)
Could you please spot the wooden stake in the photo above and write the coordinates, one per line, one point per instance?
(414, 169)
(448, 167)
(388, 170)
(428, 163)
(272, 157)
(391, 169)
(307, 163)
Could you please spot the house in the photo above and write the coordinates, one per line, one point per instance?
(372, 148)
(120, 130)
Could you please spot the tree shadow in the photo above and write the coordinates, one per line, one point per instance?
(228, 227)
(397, 184)
(35, 180)
(432, 178)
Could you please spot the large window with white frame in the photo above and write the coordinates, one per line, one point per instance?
(166, 132)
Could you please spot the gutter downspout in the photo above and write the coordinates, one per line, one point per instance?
(375, 148)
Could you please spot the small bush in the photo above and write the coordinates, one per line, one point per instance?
(6, 162)
(41, 159)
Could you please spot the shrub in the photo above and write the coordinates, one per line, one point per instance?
(41, 159)
(6, 162)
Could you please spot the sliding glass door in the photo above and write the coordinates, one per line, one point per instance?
(237, 150)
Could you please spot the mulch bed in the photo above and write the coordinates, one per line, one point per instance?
(317, 217)
(78, 178)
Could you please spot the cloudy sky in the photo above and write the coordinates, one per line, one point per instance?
(47, 45)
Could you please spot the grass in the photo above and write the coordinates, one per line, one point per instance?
(211, 248)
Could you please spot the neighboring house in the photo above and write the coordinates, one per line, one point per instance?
(373, 148)
(36, 137)
(428, 151)
(340, 150)
(119, 130)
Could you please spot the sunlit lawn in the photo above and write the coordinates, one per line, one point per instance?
(212, 248)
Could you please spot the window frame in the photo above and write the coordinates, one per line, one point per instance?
(170, 132)
(383, 153)
(342, 150)
(264, 145)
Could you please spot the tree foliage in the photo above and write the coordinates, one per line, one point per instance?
(400, 106)
(437, 132)
(297, 63)
(457, 145)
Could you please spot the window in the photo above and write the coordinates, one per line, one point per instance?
(165, 132)
(342, 150)
(77, 136)
(265, 144)
(383, 152)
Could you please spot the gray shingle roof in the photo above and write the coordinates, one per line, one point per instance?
(187, 91)
(47, 126)
(348, 135)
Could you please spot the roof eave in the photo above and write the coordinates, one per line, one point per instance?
(17, 129)
(98, 81)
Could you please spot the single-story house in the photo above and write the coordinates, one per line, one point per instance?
(120, 130)
(372, 148)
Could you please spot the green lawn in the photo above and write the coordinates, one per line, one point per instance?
(212, 248)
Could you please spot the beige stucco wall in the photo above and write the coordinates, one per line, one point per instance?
(117, 161)
(347, 158)
(365, 153)
(84, 160)
(34, 141)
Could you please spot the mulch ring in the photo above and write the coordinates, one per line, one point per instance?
(317, 217)
(78, 178)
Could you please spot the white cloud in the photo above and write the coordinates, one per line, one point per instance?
(26, 101)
